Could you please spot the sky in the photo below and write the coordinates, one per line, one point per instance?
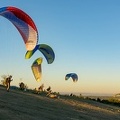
(85, 36)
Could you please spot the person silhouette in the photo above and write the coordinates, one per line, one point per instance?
(8, 81)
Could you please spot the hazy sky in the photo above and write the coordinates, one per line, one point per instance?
(85, 36)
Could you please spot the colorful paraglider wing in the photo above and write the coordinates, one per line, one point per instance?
(36, 69)
(48, 52)
(73, 76)
(31, 52)
(23, 23)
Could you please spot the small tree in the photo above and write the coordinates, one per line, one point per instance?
(41, 88)
(23, 86)
(3, 81)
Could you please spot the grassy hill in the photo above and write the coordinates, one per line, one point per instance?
(18, 105)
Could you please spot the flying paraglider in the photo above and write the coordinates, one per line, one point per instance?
(24, 24)
(46, 50)
(36, 69)
(74, 77)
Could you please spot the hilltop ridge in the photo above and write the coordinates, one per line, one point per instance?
(22, 105)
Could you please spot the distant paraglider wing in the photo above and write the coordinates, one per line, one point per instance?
(24, 25)
(36, 69)
(46, 50)
(73, 76)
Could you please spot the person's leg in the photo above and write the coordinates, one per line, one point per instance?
(8, 87)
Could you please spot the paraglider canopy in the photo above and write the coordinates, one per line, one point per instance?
(74, 76)
(45, 49)
(36, 68)
(24, 24)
